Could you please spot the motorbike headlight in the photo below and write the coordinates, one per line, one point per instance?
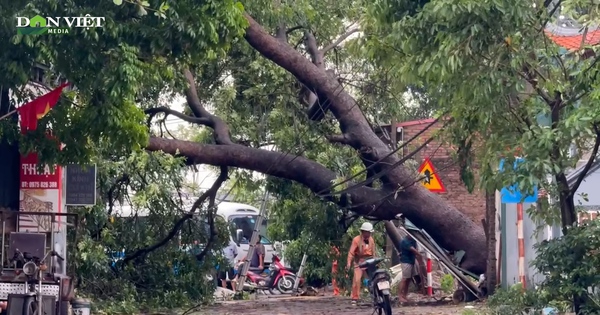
(29, 268)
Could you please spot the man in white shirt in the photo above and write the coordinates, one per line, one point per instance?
(226, 272)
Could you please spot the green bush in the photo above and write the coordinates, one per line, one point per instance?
(515, 301)
(447, 283)
(571, 266)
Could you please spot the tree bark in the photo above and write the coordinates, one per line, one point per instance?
(448, 226)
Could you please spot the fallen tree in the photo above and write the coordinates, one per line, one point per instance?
(398, 193)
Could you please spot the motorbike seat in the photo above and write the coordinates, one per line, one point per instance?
(378, 273)
(255, 269)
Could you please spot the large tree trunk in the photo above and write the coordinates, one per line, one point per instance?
(448, 226)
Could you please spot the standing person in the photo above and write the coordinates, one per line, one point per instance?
(362, 248)
(229, 252)
(408, 255)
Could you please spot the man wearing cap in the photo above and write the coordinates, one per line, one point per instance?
(362, 248)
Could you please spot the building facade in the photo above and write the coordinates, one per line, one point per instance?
(440, 153)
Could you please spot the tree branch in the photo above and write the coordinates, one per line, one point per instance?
(295, 28)
(110, 199)
(312, 47)
(210, 193)
(343, 139)
(338, 41)
(221, 130)
(588, 165)
(167, 111)
(280, 33)
(311, 174)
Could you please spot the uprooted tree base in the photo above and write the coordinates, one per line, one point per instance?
(398, 195)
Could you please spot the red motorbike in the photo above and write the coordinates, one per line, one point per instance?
(280, 278)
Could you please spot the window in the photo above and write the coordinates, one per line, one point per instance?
(38, 75)
(247, 224)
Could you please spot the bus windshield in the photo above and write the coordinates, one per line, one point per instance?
(247, 224)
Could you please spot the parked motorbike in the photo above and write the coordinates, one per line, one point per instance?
(279, 277)
(255, 280)
(285, 278)
(379, 285)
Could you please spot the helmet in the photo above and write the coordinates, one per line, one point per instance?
(368, 227)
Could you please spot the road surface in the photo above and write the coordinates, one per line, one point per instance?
(321, 305)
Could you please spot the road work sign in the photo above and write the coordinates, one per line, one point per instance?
(430, 178)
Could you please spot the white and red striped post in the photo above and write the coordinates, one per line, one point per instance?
(521, 243)
(429, 276)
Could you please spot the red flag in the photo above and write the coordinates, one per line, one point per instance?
(31, 112)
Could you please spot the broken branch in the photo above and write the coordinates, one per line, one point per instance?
(338, 41)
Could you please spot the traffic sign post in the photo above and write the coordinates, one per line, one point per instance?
(430, 178)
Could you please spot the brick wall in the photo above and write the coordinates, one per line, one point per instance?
(441, 156)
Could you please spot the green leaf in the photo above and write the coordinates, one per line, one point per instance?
(118, 2)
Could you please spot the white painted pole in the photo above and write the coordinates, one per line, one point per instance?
(299, 274)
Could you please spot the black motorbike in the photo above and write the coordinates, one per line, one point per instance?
(379, 285)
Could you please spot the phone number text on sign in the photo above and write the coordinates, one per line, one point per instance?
(39, 185)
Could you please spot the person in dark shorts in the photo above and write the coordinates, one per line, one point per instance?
(226, 272)
(408, 256)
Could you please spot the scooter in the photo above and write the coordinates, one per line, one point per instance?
(285, 278)
(256, 281)
(379, 285)
(279, 277)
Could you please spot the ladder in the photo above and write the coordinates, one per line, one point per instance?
(252, 243)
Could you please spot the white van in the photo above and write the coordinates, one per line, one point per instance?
(241, 219)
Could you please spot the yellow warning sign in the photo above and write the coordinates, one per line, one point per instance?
(431, 179)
